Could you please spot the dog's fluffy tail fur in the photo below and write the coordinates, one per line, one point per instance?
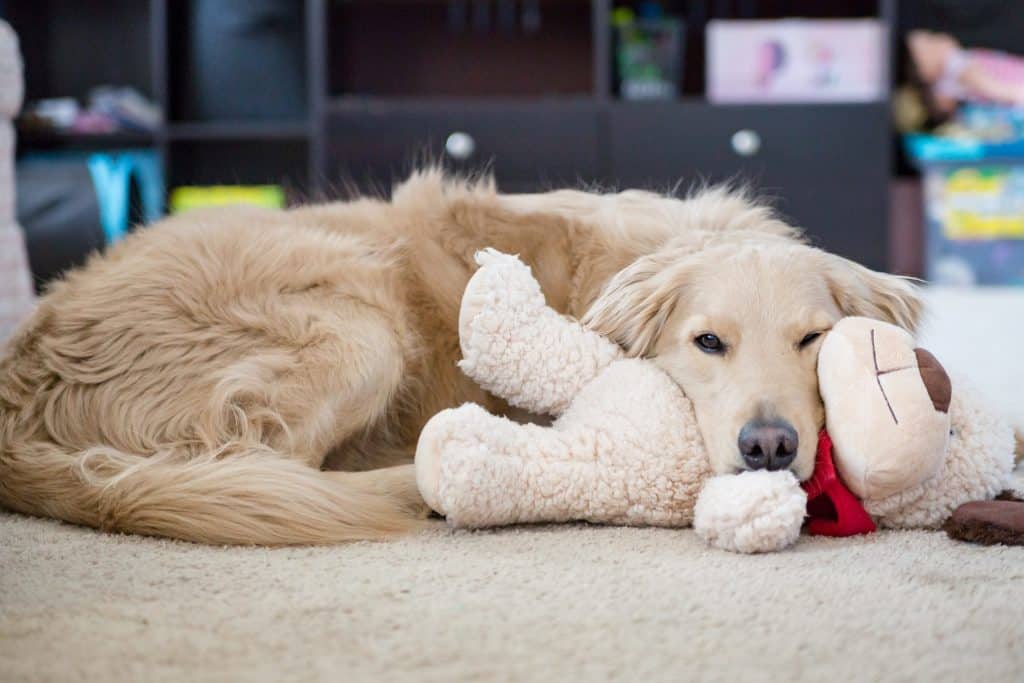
(257, 497)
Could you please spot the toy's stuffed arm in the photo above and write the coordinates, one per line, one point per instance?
(517, 347)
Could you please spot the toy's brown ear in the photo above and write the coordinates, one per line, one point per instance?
(989, 522)
(936, 381)
(861, 291)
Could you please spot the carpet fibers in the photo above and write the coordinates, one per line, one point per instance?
(529, 603)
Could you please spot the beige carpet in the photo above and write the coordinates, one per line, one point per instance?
(541, 603)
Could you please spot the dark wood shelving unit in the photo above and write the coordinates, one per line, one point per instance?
(385, 84)
(238, 130)
(47, 139)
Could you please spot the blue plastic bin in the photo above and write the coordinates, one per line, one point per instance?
(973, 209)
(112, 174)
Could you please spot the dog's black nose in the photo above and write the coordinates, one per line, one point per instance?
(768, 444)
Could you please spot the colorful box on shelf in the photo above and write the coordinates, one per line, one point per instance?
(195, 197)
(648, 55)
(973, 209)
(796, 60)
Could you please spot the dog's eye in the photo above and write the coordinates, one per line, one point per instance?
(709, 343)
(809, 339)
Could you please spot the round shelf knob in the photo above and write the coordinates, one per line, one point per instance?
(460, 146)
(746, 142)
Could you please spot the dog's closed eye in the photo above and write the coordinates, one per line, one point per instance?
(808, 339)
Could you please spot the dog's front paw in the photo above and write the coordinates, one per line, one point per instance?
(752, 512)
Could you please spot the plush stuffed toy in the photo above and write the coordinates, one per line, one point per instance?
(900, 449)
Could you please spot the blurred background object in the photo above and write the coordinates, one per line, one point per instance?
(15, 281)
(805, 101)
(648, 51)
(797, 60)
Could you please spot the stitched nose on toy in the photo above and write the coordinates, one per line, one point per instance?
(768, 444)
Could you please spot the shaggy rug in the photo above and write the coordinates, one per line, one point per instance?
(532, 603)
(538, 603)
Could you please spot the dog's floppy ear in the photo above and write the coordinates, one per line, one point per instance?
(861, 291)
(634, 306)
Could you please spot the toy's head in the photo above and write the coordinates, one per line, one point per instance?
(886, 406)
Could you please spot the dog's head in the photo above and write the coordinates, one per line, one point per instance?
(737, 323)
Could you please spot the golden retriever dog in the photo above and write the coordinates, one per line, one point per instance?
(260, 377)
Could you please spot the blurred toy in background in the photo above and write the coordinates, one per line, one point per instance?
(954, 74)
(649, 52)
(973, 172)
(962, 113)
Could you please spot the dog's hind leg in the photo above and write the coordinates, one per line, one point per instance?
(225, 450)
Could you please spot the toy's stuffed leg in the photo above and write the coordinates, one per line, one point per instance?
(481, 470)
(517, 347)
(989, 522)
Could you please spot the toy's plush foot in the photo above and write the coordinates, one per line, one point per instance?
(515, 346)
(429, 450)
(502, 284)
(751, 512)
(469, 469)
(988, 522)
(449, 432)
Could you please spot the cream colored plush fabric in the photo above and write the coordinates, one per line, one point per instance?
(517, 347)
(911, 464)
(613, 455)
(751, 512)
(549, 603)
(976, 467)
(888, 434)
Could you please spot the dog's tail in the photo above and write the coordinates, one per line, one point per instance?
(1018, 452)
(255, 497)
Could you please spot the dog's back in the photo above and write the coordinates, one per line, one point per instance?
(193, 381)
(177, 386)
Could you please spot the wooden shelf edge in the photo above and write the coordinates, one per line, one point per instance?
(55, 139)
(238, 130)
(340, 103)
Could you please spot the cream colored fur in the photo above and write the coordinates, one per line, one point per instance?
(197, 379)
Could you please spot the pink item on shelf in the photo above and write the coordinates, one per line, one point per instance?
(1004, 68)
(94, 123)
(796, 60)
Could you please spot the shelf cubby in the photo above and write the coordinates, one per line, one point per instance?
(418, 48)
(383, 85)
